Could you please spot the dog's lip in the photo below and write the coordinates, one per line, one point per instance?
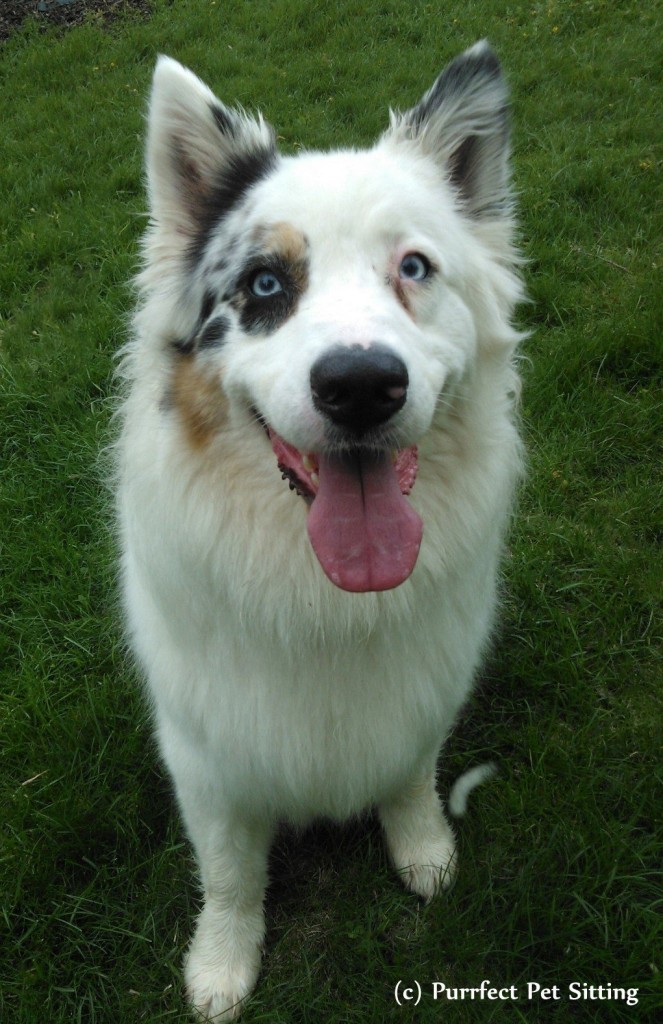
(301, 468)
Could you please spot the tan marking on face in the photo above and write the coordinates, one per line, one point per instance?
(199, 401)
(284, 239)
(290, 245)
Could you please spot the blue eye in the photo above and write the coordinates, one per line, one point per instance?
(264, 284)
(414, 267)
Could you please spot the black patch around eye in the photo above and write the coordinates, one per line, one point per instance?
(265, 314)
(213, 334)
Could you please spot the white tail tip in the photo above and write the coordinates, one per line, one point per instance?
(464, 785)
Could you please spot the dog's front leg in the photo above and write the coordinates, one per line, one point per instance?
(223, 961)
(419, 837)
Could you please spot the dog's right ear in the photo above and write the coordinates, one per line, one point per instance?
(201, 156)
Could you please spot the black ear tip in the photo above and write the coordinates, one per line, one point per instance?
(474, 71)
(479, 61)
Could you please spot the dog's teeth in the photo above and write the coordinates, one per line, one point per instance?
(315, 479)
(308, 463)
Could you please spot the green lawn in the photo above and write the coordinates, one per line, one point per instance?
(559, 854)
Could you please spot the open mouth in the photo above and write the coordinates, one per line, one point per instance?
(365, 534)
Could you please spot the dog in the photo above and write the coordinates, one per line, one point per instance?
(316, 465)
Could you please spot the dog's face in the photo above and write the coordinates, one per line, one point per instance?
(328, 301)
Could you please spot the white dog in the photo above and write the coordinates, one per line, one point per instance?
(341, 321)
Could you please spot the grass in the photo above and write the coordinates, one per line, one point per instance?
(558, 879)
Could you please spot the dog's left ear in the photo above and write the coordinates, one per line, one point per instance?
(462, 122)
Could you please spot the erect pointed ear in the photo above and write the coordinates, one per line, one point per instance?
(201, 156)
(463, 123)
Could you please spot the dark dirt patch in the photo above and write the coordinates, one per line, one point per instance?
(65, 13)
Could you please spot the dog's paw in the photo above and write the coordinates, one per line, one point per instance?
(428, 868)
(421, 843)
(218, 978)
(218, 994)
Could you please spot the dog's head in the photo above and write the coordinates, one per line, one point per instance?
(333, 303)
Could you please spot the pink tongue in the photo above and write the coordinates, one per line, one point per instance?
(362, 529)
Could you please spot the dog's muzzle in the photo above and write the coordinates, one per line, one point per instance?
(365, 534)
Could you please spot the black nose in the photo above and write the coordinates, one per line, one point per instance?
(359, 388)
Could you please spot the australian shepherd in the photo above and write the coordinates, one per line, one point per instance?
(316, 466)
